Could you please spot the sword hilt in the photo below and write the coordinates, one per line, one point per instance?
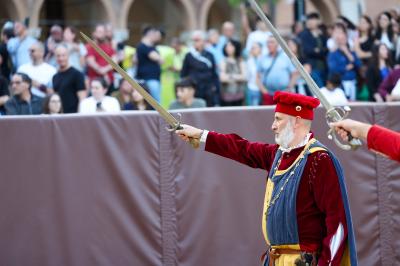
(337, 114)
(195, 143)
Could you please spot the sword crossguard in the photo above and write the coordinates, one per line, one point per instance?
(337, 114)
(195, 143)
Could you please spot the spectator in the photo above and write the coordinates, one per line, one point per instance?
(124, 95)
(344, 61)
(200, 66)
(379, 68)
(68, 82)
(300, 86)
(275, 72)
(314, 49)
(259, 35)
(396, 29)
(387, 87)
(351, 29)
(297, 28)
(253, 93)
(384, 31)
(52, 104)
(23, 102)
(55, 38)
(149, 61)
(98, 102)
(109, 33)
(333, 91)
(167, 76)
(364, 42)
(127, 58)
(212, 46)
(138, 101)
(180, 53)
(4, 93)
(228, 32)
(39, 71)
(76, 50)
(5, 65)
(232, 76)
(18, 46)
(97, 65)
(185, 90)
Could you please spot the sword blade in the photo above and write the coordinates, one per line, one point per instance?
(171, 120)
(305, 75)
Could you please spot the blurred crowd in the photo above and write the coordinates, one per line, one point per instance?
(60, 74)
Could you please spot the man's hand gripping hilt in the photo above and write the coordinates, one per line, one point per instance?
(337, 114)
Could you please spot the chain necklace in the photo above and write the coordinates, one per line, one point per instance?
(272, 202)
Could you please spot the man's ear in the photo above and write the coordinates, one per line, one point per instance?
(297, 121)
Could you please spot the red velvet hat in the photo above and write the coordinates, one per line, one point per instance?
(295, 104)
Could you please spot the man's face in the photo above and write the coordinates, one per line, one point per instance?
(272, 45)
(18, 28)
(100, 33)
(198, 42)
(36, 52)
(184, 93)
(56, 34)
(62, 57)
(283, 129)
(18, 85)
(313, 23)
(213, 37)
(156, 36)
(228, 29)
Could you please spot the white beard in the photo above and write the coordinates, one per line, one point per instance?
(286, 136)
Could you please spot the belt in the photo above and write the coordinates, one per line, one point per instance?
(275, 253)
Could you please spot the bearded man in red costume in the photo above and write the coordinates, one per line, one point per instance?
(306, 217)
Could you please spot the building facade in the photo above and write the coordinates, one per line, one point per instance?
(176, 16)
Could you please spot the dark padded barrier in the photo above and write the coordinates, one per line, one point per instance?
(120, 190)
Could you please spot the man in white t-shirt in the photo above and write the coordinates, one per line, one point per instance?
(39, 71)
(99, 102)
(333, 91)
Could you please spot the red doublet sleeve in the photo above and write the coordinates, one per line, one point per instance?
(232, 146)
(328, 198)
(384, 141)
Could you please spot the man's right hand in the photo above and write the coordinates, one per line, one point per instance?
(189, 133)
(355, 128)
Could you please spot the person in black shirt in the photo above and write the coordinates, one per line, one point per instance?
(3, 94)
(23, 102)
(69, 82)
(313, 43)
(149, 61)
(5, 62)
(199, 65)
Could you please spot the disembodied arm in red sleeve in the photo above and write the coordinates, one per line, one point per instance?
(384, 141)
(328, 198)
(378, 138)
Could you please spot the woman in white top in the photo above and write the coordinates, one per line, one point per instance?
(99, 102)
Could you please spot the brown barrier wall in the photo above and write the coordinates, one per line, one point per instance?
(120, 190)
